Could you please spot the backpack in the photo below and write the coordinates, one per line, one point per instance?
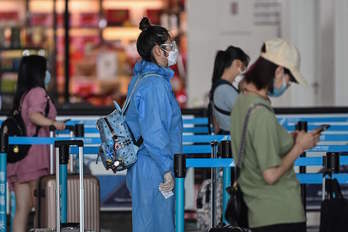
(14, 126)
(118, 149)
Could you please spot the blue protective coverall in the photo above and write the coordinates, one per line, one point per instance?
(155, 115)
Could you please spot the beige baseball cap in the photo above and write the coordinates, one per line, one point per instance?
(282, 53)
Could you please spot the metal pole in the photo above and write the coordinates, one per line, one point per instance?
(63, 181)
(82, 192)
(213, 185)
(51, 151)
(67, 52)
(226, 152)
(79, 132)
(57, 192)
(179, 171)
(180, 203)
(71, 157)
(302, 126)
(225, 195)
(3, 180)
(54, 53)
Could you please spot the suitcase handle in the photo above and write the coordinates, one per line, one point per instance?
(62, 147)
(214, 149)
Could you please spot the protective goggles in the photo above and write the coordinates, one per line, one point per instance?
(169, 46)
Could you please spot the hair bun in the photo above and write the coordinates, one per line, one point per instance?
(144, 24)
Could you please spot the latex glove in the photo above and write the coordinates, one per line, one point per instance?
(168, 184)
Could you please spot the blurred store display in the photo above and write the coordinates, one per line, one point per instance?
(103, 34)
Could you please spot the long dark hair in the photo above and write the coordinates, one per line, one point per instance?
(223, 60)
(31, 74)
(150, 36)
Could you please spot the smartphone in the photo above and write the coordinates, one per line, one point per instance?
(322, 128)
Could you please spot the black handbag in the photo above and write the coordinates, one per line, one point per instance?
(236, 211)
(334, 208)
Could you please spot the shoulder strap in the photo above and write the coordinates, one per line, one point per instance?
(221, 111)
(218, 109)
(129, 97)
(243, 140)
(47, 110)
(21, 100)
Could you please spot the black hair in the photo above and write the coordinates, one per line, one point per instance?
(150, 36)
(31, 74)
(223, 60)
(238, 54)
(261, 74)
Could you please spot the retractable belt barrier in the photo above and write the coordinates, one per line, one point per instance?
(204, 120)
(181, 163)
(197, 144)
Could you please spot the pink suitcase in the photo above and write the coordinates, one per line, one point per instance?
(80, 188)
(46, 202)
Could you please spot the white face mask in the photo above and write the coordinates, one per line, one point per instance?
(173, 53)
(238, 79)
(173, 57)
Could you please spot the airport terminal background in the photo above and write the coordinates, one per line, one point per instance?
(95, 67)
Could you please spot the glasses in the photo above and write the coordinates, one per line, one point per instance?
(169, 46)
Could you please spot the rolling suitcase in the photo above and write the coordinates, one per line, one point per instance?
(46, 200)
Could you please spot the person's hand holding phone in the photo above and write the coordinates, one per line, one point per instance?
(307, 140)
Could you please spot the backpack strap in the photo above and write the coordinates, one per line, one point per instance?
(221, 111)
(47, 110)
(212, 104)
(223, 82)
(129, 97)
(125, 107)
(243, 140)
(114, 136)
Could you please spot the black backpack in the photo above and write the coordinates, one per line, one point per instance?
(14, 126)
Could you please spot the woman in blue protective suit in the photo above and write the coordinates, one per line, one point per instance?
(154, 115)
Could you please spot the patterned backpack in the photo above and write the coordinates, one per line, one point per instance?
(118, 149)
